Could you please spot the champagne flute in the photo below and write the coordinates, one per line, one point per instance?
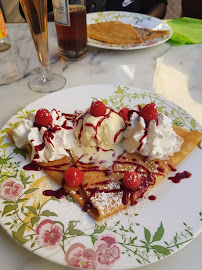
(36, 15)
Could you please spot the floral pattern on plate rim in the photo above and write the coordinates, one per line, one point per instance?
(36, 227)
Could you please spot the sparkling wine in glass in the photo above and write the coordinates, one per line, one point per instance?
(36, 15)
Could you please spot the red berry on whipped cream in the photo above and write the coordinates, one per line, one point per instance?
(73, 177)
(98, 108)
(149, 112)
(124, 113)
(131, 179)
(43, 118)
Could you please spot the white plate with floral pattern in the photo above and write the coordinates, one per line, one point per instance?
(135, 19)
(60, 231)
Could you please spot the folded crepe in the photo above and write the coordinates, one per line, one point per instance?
(102, 192)
(116, 32)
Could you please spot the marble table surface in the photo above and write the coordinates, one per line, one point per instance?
(172, 72)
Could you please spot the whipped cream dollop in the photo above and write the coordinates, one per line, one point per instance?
(102, 131)
(48, 143)
(156, 141)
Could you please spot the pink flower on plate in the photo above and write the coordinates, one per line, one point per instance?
(10, 189)
(49, 234)
(80, 256)
(107, 250)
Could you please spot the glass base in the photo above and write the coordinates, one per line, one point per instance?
(4, 46)
(38, 84)
(72, 55)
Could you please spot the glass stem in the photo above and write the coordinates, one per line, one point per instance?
(46, 74)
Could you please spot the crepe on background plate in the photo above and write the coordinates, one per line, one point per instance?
(116, 32)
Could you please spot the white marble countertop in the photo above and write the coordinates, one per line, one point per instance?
(172, 72)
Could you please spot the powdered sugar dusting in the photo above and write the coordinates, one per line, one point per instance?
(105, 201)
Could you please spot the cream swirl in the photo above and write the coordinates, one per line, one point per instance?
(47, 143)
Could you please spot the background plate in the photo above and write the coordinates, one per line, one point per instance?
(60, 231)
(135, 19)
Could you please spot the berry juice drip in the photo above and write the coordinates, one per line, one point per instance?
(66, 126)
(48, 136)
(57, 113)
(59, 193)
(141, 140)
(86, 206)
(33, 166)
(160, 169)
(152, 198)
(79, 136)
(68, 116)
(117, 134)
(39, 147)
(100, 122)
(172, 168)
(179, 176)
(91, 169)
(56, 168)
(80, 117)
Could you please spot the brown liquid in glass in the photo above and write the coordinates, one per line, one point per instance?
(72, 39)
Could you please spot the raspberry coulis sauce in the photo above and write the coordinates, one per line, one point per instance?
(33, 166)
(59, 193)
(172, 168)
(129, 196)
(48, 135)
(179, 176)
(152, 198)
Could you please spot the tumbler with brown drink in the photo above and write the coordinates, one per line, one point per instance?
(70, 21)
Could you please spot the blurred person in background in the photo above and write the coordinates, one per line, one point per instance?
(192, 8)
(156, 8)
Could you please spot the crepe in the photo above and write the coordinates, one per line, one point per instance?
(107, 193)
(56, 169)
(116, 32)
(102, 192)
(148, 34)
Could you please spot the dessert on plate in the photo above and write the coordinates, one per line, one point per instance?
(106, 160)
(116, 32)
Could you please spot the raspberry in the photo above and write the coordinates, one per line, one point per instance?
(73, 177)
(131, 179)
(98, 108)
(149, 112)
(124, 113)
(43, 118)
